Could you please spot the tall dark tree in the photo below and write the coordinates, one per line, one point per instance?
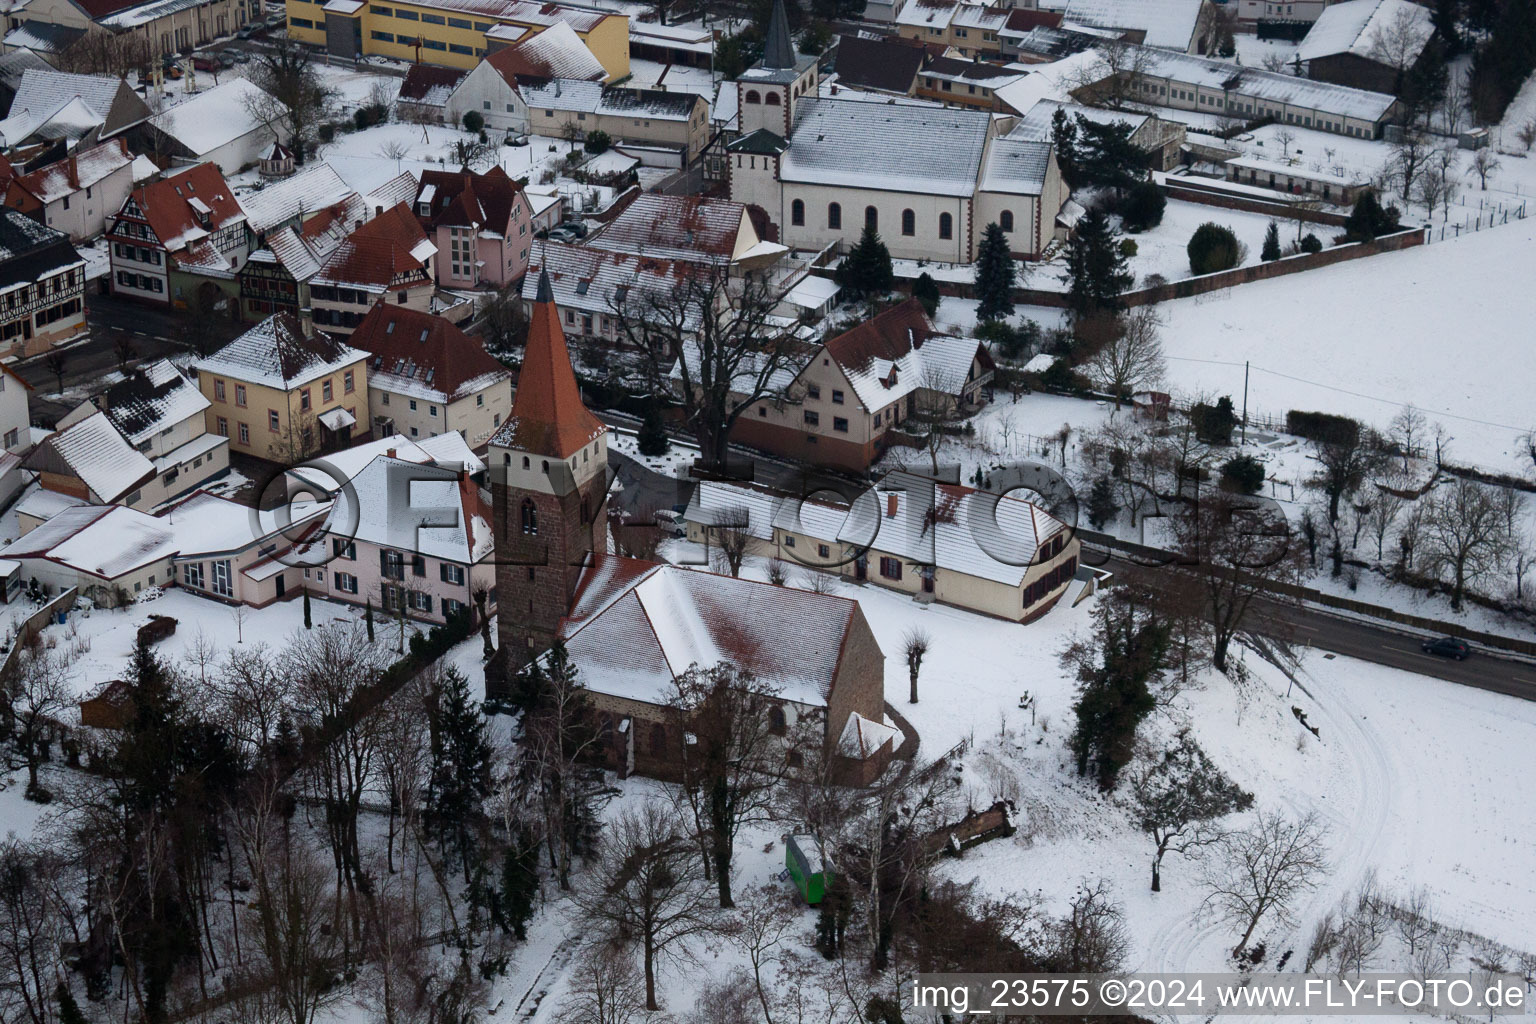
(926, 290)
(1115, 670)
(292, 95)
(460, 778)
(995, 275)
(1064, 141)
(653, 432)
(1106, 156)
(519, 881)
(866, 270)
(1368, 219)
(1271, 250)
(1096, 268)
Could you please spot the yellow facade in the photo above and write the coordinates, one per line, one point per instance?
(453, 34)
(282, 426)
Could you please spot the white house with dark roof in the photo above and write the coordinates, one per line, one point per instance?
(220, 126)
(161, 414)
(929, 179)
(93, 461)
(78, 193)
(588, 282)
(1361, 43)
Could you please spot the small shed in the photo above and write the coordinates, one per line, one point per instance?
(802, 859)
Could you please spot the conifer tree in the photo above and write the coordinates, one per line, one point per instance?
(653, 432)
(460, 778)
(1271, 250)
(926, 290)
(368, 617)
(866, 270)
(309, 622)
(995, 275)
(1096, 267)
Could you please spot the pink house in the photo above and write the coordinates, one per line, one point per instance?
(402, 533)
(481, 224)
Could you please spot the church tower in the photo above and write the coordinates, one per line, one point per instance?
(768, 92)
(549, 489)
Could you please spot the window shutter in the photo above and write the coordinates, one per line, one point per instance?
(442, 571)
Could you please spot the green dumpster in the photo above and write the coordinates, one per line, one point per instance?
(803, 862)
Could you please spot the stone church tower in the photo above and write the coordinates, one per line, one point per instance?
(769, 92)
(549, 487)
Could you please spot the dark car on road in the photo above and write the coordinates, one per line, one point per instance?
(1447, 647)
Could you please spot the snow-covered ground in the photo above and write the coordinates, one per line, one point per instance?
(1426, 326)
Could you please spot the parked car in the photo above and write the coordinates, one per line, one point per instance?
(205, 62)
(226, 60)
(1447, 647)
(516, 139)
(563, 233)
(276, 20)
(250, 29)
(242, 56)
(671, 522)
(575, 227)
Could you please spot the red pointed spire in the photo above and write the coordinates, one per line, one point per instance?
(548, 415)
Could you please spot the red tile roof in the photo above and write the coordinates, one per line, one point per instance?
(167, 205)
(548, 415)
(426, 349)
(889, 335)
(1022, 20)
(379, 251)
(467, 199)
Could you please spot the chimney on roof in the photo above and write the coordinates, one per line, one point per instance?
(378, 211)
(357, 224)
(389, 453)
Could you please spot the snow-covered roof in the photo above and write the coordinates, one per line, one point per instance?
(899, 351)
(1168, 24)
(429, 85)
(327, 473)
(959, 529)
(66, 118)
(1297, 171)
(1369, 29)
(49, 89)
(587, 279)
(528, 12)
(1016, 167)
(143, 14)
(82, 170)
(410, 506)
(389, 251)
(1265, 85)
(863, 738)
(1054, 81)
(294, 198)
(150, 399)
(95, 452)
(1035, 125)
(635, 626)
(45, 504)
(214, 118)
(687, 228)
(556, 52)
(561, 94)
(278, 354)
(761, 510)
(42, 37)
(896, 147)
(423, 356)
(167, 206)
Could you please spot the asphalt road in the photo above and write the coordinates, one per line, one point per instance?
(1380, 644)
(148, 333)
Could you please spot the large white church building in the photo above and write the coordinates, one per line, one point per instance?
(930, 179)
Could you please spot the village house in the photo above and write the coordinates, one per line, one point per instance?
(480, 224)
(423, 96)
(91, 460)
(590, 283)
(161, 414)
(212, 546)
(1021, 24)
(15, 412)
(846, 404)
(77, 194)
(1360, 43)
(887, 65)
(1338, 189)
(426, 377)
(388, 259)
(998, 555)
(42, 286)
(1179, 26)
(971, 29)
(312, 191)
(619, 618)
(971, 84)
(221, 126)
(494, 87)
(182, 235)
(158, 26)
(453, 33)
(50, 106)
(283, 391)
(404, 535)
(690, 229)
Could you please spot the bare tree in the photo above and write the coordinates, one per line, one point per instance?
(1484, 162)
(32, 932)
(1132, 358)
(766, 920)
(37, 691)
(1264, 869)
(710, 341)
(293, 100)
(1408, 159)
(1385, 505)
(1237, 548)
(605, 988)
(1398, 43)
(1466, 534)
(1176, 795)
(1455, 101)
(1286, 136)
(731, 532)
(643, 889)
(915, 644)
(1347, 452)
(1408, 429)
(1091, 937)
(1432, 187)
(1115, 78)
(731, 764)
(57, 362)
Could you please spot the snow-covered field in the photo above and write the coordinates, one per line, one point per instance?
(1445, 327)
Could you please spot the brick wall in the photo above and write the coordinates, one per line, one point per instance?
(1191, 191)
